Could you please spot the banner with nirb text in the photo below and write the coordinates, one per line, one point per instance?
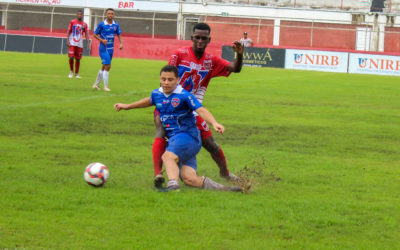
(374, 64)
(316, 60)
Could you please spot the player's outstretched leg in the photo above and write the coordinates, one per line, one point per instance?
(158, 150)
(218, 156)
(71, 67)
(190, 178)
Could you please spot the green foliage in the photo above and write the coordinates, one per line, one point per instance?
(324, 147)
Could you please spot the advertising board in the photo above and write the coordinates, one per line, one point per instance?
(374, 64)
(316, 60)
(258, 57)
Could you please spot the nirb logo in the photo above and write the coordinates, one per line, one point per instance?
(298, 58)
(362, 62)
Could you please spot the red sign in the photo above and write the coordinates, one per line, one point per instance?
(125, 4)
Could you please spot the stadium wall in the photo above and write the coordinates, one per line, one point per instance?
(134, 47)
(161, 49)
(392, 39)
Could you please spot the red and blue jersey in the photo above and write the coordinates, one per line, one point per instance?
(176, 111)
(195, 74)
(76, 29)
(108, 31)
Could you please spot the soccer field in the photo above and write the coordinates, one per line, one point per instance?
(323, 150)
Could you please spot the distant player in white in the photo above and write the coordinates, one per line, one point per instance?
(246, 41)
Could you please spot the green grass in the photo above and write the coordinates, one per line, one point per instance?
(332, 139)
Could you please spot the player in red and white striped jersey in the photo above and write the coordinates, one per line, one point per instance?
(75, 32)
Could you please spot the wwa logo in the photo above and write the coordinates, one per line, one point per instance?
(259, 56)
(316, 59)
(381, 64)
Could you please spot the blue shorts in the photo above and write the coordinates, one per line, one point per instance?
(106, 57)
(186, 148)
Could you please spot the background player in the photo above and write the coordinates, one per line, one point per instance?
(196, 68)
(176, 106)
(105, 33)
(75, 32)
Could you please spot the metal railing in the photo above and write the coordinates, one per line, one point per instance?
(305, 32)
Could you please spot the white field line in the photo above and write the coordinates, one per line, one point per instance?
(84, 98)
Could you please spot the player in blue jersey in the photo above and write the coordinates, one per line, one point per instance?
(175, 106)
(105, 33)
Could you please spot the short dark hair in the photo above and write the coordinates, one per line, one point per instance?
(80, 11)
(110, 9)
(202, 26)
(170, 68)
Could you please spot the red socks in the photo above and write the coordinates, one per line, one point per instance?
(77, 63)
(219, 158)
(159, 146)
(71, 64)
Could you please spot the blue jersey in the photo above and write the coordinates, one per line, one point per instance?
(176, 111)
(107, 31)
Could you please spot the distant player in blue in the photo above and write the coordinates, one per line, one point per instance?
(105, 33)
(175, 106)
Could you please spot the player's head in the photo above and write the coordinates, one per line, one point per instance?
(110, 13)
(79, 15)
(169, 78)
(201, 37)
(245, 35)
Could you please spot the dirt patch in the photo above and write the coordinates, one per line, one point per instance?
(255, 173)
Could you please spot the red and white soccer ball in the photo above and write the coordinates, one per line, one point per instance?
(96, 174)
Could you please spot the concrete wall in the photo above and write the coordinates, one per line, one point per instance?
(226, 32)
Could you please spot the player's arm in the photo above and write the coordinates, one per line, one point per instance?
(97, 33)
(121, 45)
(103, 41)
(68, 33)
(144, 103)
(251, 42)
(209, 118)
(195, 105)
(236, 66)
(87, 38)
(118, 32)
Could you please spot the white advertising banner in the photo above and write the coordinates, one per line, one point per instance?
(316, 60)
(116, 4)
(374, 64)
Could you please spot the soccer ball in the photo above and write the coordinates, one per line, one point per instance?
(96, 174)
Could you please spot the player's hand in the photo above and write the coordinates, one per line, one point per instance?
(68, 44)
(238, 47)
(119, 106)
(219, 128)
(121, 46)
(104, 41)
